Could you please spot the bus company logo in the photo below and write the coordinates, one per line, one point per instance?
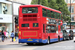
(28, 27)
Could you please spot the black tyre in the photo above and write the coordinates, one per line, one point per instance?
(58, 38)
(70, 37)
(64, 39)
(30, 43)
(48, 42)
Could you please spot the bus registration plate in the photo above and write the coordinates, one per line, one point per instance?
(29, 40)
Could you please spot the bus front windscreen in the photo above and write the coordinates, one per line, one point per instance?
(30, 10)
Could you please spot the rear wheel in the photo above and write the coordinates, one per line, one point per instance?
(58, 38)
(30, 43)
(48, 42)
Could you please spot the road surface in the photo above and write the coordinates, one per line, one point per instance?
(63, 45)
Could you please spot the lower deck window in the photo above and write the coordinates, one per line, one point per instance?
(50, 29)
(25, 25)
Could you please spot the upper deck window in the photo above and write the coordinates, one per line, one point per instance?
(44, 12)
(48, 13)
(52, 14)
(30, 10)
(58, 16)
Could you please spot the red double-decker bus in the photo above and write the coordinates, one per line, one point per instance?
(39, 24)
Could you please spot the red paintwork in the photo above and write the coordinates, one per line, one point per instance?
(39, 19)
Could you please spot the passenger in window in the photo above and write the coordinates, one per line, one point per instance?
(49, 31)
(34, 10)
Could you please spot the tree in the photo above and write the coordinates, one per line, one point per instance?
(55, 4)
(34, 2)
(64, 9)
(44, 3)
(52, 4)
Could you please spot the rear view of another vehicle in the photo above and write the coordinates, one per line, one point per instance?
(65, 35)
(71, 35)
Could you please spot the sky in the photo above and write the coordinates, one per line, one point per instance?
(28, 1)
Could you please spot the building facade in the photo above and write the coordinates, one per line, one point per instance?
(27, 2)
(8, 12)
(16, 4)
(72, 13)
(5, 16)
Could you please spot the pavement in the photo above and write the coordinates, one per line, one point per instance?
(17, 48)
(8, 45)
(8, 41)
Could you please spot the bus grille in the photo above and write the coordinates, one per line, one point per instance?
(29, 17)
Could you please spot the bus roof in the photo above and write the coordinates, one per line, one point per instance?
(42, 7)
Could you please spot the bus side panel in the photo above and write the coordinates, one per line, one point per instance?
(60, 33)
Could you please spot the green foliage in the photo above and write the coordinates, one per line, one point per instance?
(52, 4)
(56, 4)
(34, 2)
(64, 9)
(44, 2)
